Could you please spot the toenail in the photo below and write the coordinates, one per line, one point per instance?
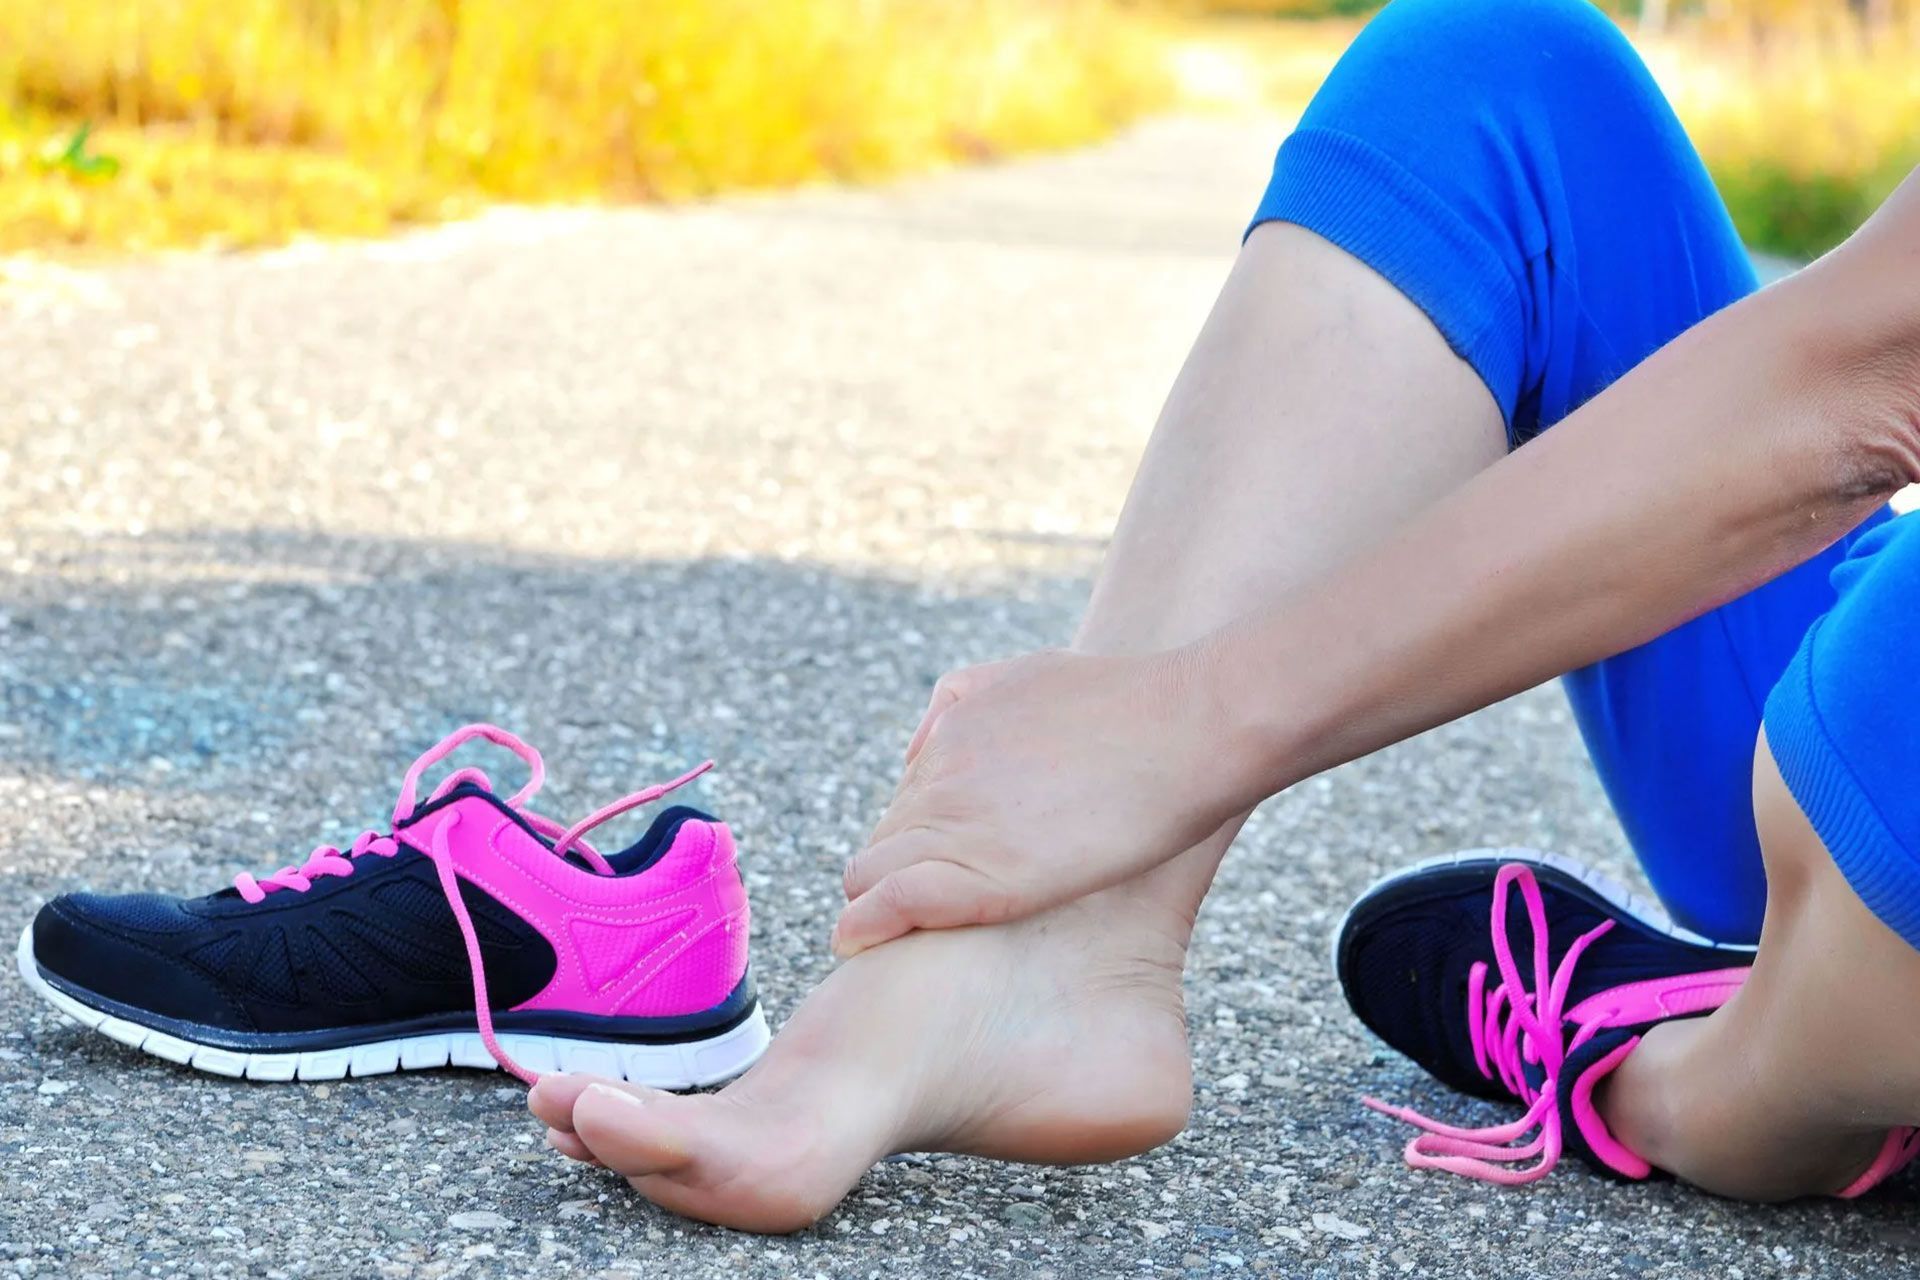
(618, 1095)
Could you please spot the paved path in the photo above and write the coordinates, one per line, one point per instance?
(737, 480)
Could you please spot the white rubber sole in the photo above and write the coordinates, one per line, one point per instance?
(1620, 897)
(689, 1065)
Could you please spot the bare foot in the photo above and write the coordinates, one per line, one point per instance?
(1058, 1039)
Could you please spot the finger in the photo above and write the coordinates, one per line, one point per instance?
(922, 792)
(947, 691)
(926, 895)
(570, 1146)
(888, 854)
(636, 1131)
(944, 696)
(908, 803)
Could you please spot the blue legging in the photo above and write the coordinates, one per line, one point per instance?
(1511, 167)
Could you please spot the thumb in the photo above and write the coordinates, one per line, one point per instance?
(925, 895)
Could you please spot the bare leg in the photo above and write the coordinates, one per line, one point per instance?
(1755, 1102)
(1318, 411)
(1319, 407)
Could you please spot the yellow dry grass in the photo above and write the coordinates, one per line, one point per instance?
(243, 122)
(247, 121)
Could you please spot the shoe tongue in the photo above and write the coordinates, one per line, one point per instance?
(1534, 1072)
(471, 778)
(462, 777)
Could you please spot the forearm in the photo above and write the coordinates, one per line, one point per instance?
(1743, 448)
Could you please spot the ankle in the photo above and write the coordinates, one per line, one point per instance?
(1669, 1104)
(1641, 1102)
(1164, 903)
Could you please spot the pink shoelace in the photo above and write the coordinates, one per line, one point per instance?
(326, 860)
(1900, 1149)
(1511, 1028)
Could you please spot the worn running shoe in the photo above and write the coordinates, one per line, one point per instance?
(1548, 1038)
(1414, 955)
(474, 932)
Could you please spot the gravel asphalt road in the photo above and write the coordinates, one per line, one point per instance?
(737, 480)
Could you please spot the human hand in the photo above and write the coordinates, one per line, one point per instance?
(1038, 780)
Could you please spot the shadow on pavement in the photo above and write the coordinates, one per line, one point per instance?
(235, 696)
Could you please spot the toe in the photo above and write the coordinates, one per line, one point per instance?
(740, 1158)
(637, 1131)
(570, 1146)
(771, 1210)
(552, 1098)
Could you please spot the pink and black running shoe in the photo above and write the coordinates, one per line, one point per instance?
(473, 933)
(1601, 973)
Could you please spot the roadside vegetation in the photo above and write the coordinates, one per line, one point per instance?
(240, 122)
(128, 126)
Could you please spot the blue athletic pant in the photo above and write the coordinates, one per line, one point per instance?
(1511, 167)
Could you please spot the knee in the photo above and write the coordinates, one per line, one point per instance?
(1505, 37)
(1495, 60)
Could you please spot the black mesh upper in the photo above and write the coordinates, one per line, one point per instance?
(140, 912)
(378, 945)
(343, 980)
(270, 976)
(1408, 946)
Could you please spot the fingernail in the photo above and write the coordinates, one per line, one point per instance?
(618, 1095)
